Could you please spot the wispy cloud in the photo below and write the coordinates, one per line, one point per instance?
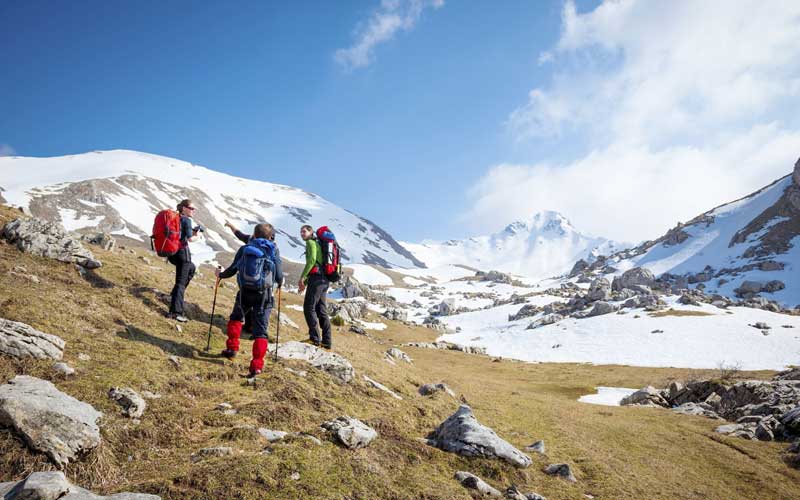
(6, 150)
(686, 106)
(391, 17)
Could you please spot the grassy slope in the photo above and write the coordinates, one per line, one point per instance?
(117, 320)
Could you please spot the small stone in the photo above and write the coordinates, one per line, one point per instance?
(272, 436)
(133, 405)
(218, 451)
(179, 328)
(84, 357)
(473, 482)
(176, 362)
(64, 369)
(430, 389)
(351, 432)
(295, 476)
(395, 354)
(537, 447)
(560, 470)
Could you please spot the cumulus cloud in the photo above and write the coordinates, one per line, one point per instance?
(686, 106)
(6, 150)
(391, 17)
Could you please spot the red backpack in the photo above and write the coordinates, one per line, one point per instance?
(166, 238)
(331, 266)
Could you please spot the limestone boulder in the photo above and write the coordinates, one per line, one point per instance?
(19, 340)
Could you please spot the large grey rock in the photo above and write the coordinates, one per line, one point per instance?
(647, 396)
(525, 311)
(103, 240)
(635, 276)
(349, 310)
(49, 420)
(700, 409)
(133, 405)
(351, 432)
(791, 419)
(395, 314)
(600, 289)
(335, 365)
(547, 319)
(462, 434)
(47, 239)
(351, 288)
(579, 267)
(495, 277)
(600, 308)
(473, 482)
(54, 485)
(20, 340)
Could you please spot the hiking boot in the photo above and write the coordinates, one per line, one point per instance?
(228, 353)
(180, 318)
(327, 347)
(253, 373)
(309, 341)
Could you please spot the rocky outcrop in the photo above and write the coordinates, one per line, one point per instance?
(648, 396)
(462, 434)
(20, 340)
(133, 405)
(54, 485)
(525, 311)
(560, 470)
(48, 420)
(495, 277)
(351, 432)
(600, 289)
(103, 240)
(635, 276)
(48, 239)
(333, 364)
(349, 310)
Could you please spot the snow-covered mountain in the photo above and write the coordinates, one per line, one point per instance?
(756, 238)
(545, 245)
(121, 191)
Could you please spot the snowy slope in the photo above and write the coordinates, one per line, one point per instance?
(120, 192)
(544, 246)
(756, 238)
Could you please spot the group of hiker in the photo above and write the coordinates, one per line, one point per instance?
(258, 269)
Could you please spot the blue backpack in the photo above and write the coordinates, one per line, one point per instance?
(257, 267)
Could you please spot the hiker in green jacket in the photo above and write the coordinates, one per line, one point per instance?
(315, 284)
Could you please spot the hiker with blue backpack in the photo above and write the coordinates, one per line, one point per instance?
(322, 267)
(257, 266)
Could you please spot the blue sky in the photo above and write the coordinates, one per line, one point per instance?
(435, 119)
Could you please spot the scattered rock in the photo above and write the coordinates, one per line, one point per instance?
(331, 363)
(473, 482)
(47, 239)
(382, 387)
(395, 314)
(351, 432)
(791, 419)
(49, 420)
(761, 326)
(462, 434)
(287, 321)
(133, 405)
(547, 319)
(774, 286)
(431, 389)
(395, 354)
(525, 311)
(20, 340)
(448, 346)
(299, 373)
(495, 277)
(701, 409)
(560, 470)
(54, 485)
(226, 409)
(357, 330)
(84, 357)
(103, 240)
(513, 493)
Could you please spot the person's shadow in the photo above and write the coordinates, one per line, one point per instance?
(160, 304)
(170, 347)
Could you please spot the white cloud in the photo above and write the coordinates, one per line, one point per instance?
(686, 104)
(6, 150)
(631, 193)
(383, 25)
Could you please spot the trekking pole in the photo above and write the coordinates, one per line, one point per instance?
(211, 322)
(278, 332)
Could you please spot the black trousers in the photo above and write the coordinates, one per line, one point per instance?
(184, 272)
(257, 306)
(315, 309)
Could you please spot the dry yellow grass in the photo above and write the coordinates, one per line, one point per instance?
(116, 318)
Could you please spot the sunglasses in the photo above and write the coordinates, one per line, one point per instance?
(190, 208)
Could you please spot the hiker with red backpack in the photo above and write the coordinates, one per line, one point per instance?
(257, 266)
(172, 232)
(322, 267)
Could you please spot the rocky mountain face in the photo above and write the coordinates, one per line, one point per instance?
(119, 192)
(740, 249)
(545, 245)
